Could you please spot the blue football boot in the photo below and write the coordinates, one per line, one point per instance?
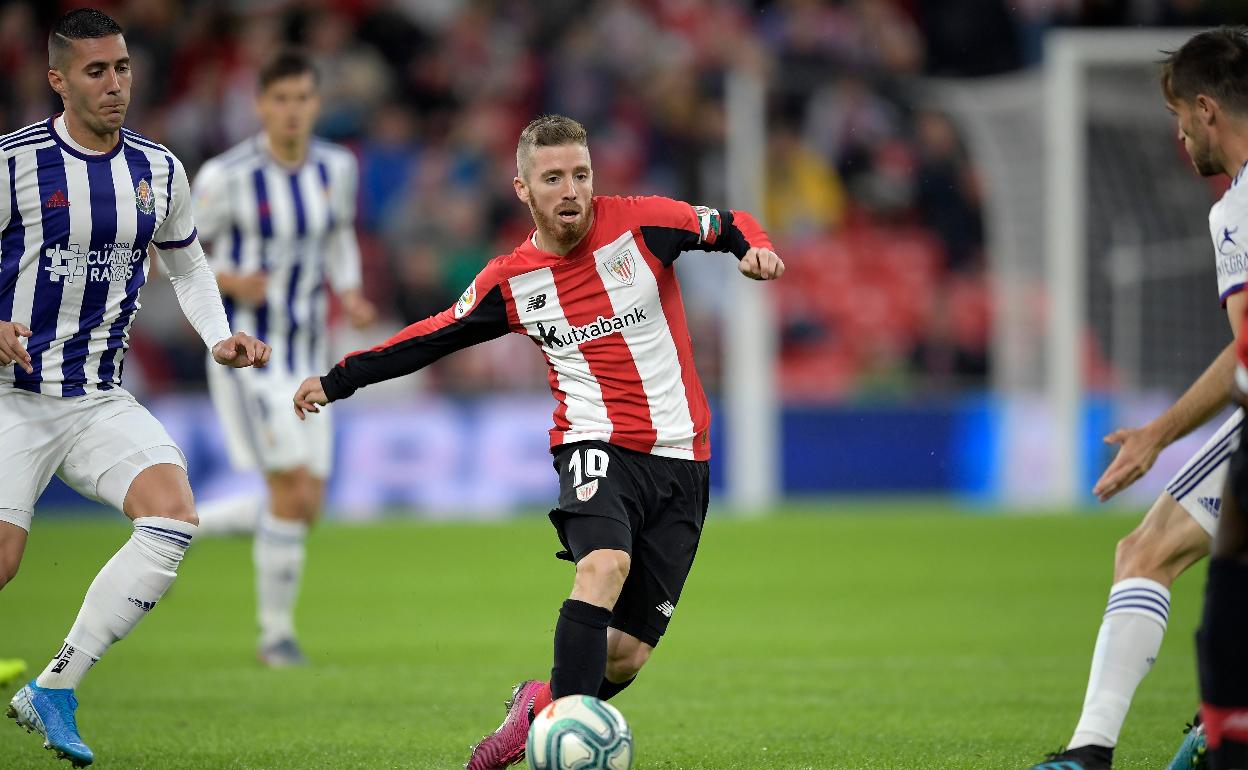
(1191, 753)
(51, 713)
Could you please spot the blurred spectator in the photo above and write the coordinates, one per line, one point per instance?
(874, 201)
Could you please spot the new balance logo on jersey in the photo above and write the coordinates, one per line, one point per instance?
(56, 200)
(114, 262)
(536, 302)
(1211, 504)
(142, 604)
(65, 263)
(666, 609)
(602, 327)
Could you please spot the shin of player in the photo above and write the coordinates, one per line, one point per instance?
(96, 195)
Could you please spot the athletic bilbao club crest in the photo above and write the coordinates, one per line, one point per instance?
(466, 300)
(144, 199)
(621, 266)
(586, 490)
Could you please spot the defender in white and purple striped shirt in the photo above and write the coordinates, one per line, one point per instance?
(278, 213)
(81, 199)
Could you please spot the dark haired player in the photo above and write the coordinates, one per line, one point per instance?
(1205, 84)
(81, 199)
(278, 213)
(594, 287)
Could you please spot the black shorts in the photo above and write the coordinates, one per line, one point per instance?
(651, 507)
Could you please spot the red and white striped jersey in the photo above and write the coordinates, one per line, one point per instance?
(608, 317)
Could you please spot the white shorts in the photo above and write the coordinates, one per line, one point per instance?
(80, 439)
(1198, 484)
(262, 431)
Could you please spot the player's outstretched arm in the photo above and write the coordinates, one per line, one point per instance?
(11, 349)
(310, 397)
(1139, 447)
(761, 264)
(241, 349)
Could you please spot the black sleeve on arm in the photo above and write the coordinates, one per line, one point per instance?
(667, 243)
(417, 346)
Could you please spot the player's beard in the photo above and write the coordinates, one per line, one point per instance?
(1202, 157)
(564, 234)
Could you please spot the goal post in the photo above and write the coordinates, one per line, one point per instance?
(1073, 258)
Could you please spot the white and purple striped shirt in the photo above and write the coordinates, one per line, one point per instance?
(295, 224)
(74, 232)
(1228, 225)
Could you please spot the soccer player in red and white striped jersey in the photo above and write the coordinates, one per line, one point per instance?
(594, 287)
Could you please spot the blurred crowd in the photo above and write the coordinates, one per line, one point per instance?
(871, 196)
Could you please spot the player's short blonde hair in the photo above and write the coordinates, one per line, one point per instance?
(547, 131)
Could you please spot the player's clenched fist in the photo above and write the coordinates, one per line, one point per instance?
(310, 397)
(11, 348)
(240, 350)
(761, 264)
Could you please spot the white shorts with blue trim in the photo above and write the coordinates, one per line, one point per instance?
(262, 431)
(1198, 484)
(80, 439)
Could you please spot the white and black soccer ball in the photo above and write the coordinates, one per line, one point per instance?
(579, 732)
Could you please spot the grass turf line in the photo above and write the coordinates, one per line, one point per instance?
(872, 639)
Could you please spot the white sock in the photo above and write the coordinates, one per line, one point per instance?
(232, 515)
(279, 555)
(67, 669)
(125, 590)
(1126, 648)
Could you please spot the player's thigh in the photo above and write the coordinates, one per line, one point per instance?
(276, 440)
(626, 654)
(121, 442)
(38, 433)
(1198, 485)
(235, 414)
(600, 499)
(12, 546)
(664, 548)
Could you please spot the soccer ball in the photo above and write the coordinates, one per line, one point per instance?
(579, 732)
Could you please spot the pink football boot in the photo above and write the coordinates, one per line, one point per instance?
(505, 746)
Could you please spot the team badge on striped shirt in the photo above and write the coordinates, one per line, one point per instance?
(621, 266)
(144, 198)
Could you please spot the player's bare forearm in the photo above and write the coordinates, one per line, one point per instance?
(246, 287)
(1207, 396)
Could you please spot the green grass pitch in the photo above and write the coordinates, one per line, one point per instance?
(838, 636)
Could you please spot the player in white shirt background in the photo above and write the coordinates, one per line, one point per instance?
(1205, 84)
(81, 200)
(278, 213)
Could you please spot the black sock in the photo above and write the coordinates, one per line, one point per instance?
(580, 649)
(608, 689)
(1223, 634)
